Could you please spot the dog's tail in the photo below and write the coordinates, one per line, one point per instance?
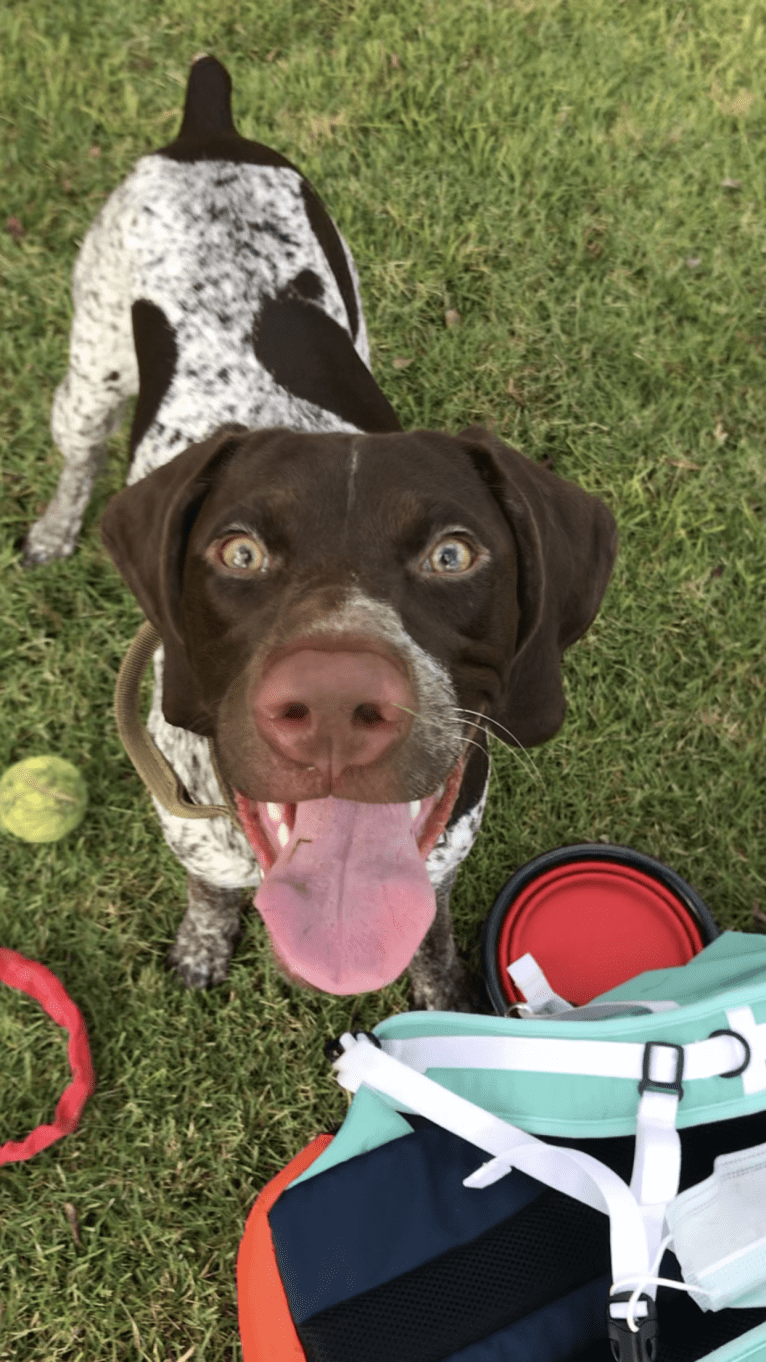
(207, 111)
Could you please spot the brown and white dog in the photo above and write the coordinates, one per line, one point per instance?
(344, 607)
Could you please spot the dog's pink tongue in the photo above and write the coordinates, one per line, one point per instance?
(348, 900)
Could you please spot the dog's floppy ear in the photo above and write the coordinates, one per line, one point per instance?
(566, 542)
(146, 530)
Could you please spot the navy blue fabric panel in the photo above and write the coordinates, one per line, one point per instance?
(383, 1213)
(556, 1331)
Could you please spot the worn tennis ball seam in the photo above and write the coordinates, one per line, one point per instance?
(47, 790)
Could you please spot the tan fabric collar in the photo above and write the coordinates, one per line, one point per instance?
(152, 766)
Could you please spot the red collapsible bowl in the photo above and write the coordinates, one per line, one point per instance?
(592, 916)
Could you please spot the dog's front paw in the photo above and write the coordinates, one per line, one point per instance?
(45, 543)
(199, 961)
(205, 941)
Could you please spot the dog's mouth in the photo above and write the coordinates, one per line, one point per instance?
(345, 894)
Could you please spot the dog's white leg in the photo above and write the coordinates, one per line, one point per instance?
(102, 374)
(205, 941)
(54, 535)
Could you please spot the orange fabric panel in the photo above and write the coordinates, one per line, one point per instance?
(265, 1323)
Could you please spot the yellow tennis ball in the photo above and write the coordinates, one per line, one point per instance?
(42, 799)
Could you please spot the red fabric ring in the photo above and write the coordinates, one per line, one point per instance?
(34, 979)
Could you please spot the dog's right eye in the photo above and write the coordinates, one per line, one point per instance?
(243, 553)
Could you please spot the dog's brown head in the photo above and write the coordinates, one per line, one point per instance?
(338, 612)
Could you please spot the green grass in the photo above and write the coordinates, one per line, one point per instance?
(583, 183)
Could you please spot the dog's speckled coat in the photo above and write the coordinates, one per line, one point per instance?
(214, 284)
(205, 242)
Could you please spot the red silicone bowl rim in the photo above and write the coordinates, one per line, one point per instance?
(676, 912)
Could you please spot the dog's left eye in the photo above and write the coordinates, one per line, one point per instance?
(451, 555)
(243, 553)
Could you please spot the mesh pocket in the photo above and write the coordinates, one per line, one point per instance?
(534, 1258)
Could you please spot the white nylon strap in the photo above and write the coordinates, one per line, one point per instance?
(543, 1001)
(567, 1170)
(657, 1158)
(656, 1162)
(541, 998)
(559, 1055)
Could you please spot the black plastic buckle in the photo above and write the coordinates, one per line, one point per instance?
(633, 1345)
(333, 1048)
(657, 1084)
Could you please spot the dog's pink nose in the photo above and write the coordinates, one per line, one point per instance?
(330, 710)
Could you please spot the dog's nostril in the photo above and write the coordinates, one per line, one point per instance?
(295, 710)
(368, 714)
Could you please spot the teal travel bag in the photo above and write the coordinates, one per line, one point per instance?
(573, 1185)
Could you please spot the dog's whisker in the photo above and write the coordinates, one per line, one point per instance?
(487, 719)
(462, 717)
(471, 742)
(518, 751)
